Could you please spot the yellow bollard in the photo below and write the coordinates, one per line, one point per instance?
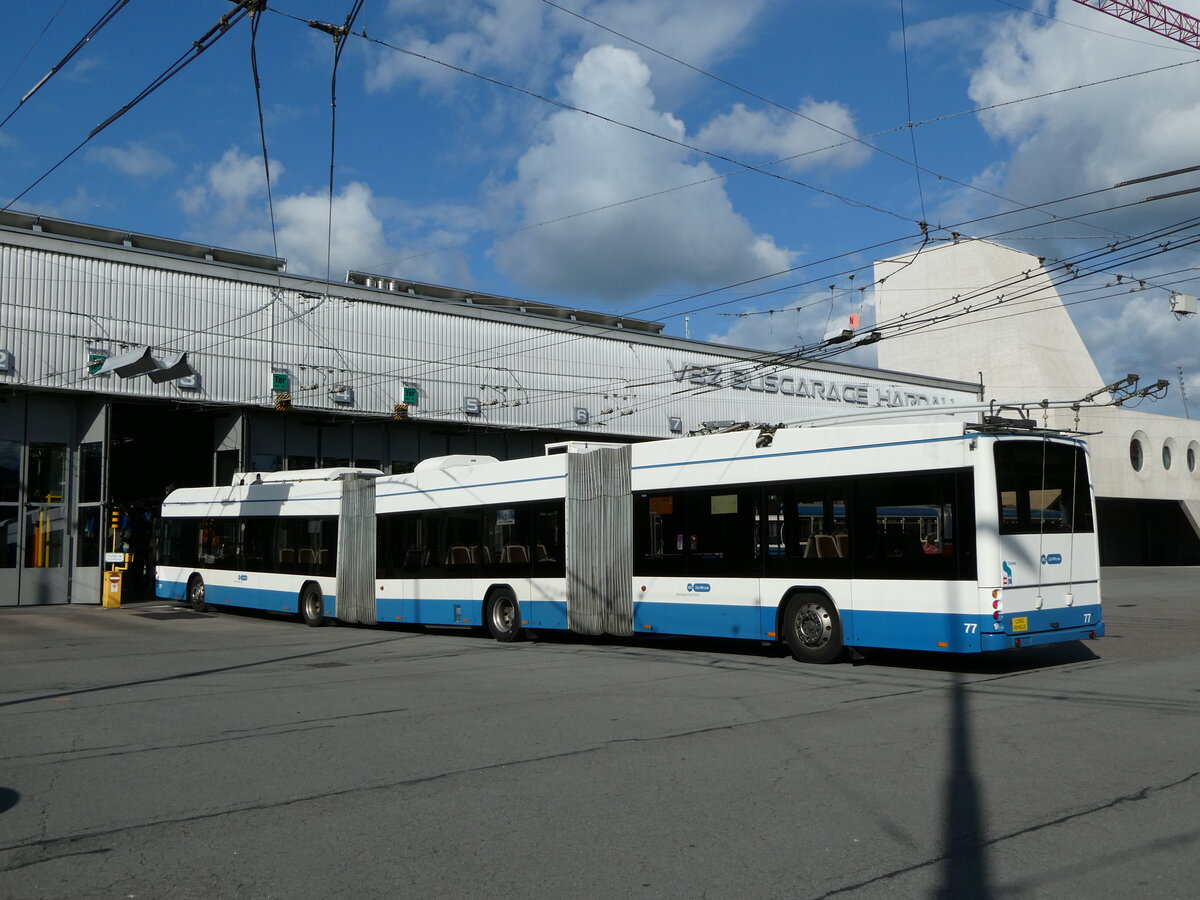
(112, 590)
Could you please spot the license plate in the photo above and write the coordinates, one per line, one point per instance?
(1020, 623)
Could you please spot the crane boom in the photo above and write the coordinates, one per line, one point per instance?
(1156, 17)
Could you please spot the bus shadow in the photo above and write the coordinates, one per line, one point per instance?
(1003, 662)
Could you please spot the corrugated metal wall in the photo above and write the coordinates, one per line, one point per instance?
(64, 300)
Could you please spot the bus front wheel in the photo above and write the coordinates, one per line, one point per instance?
(504, 616)
(195, 593)
(312, 606)
(812, 628)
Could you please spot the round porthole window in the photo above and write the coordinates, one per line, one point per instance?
(1137, 453)
(1192, 450)
(1168, 452)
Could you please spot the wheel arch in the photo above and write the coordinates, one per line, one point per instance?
(498, 586)
(310, 582)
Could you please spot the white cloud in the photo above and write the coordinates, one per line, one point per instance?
(305, 233)
(1092, 138)
(227, 204)
(781, 135)
(691, 237)
(231, 191)
(518, 38)
(136, 159)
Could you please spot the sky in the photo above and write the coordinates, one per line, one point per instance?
(730, 168)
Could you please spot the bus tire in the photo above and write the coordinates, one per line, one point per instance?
(312, 606)
(503, 616)
(195, 594)
(812, 628)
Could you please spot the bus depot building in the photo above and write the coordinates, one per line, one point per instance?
(131, 365)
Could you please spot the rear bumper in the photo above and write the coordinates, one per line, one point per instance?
(998, 640)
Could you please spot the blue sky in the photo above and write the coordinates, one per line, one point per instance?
(446, 177)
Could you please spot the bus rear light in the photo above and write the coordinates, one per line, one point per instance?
(996, 594)
(997, 604)
(996, 616)
(1092, 635)
(1016, 642)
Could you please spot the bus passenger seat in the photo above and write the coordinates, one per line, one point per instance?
(827, 547)
(515, 553)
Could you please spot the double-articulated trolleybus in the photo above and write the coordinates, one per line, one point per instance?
(947, 537)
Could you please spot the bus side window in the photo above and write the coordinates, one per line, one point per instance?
(720, 532)
(806, 529)
(907, 526)
(548, 556)
(660, 536)
(409, 545)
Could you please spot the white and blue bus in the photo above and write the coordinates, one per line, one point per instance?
(947, 537)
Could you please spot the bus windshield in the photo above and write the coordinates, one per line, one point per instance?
(1043, 487)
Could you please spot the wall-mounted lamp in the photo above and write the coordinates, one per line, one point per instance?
(171, 368)
(133, 363)
(129, 364)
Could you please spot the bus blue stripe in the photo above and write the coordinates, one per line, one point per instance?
(936, 632)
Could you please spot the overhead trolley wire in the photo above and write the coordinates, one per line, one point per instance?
(912, 134)
(543, 341)
(209, 38)
(255, 21)
(24, 56)
(850, 138)
(740, 171)
(562, 104)
(79, 45)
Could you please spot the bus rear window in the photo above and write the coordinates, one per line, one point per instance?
(1042, 487)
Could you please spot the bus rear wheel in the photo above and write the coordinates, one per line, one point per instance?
(503, 616)
(812, 628)
(195, 593)
(312, 606)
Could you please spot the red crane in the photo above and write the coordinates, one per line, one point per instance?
(1156, 17)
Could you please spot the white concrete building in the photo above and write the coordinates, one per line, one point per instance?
(1146, 467)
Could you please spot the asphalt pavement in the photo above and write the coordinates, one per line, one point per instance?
(151, 751)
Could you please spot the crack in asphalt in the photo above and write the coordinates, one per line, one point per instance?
(58, 757)
(968, 845)
(198, 673)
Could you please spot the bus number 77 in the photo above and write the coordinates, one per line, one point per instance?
(970, 627)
